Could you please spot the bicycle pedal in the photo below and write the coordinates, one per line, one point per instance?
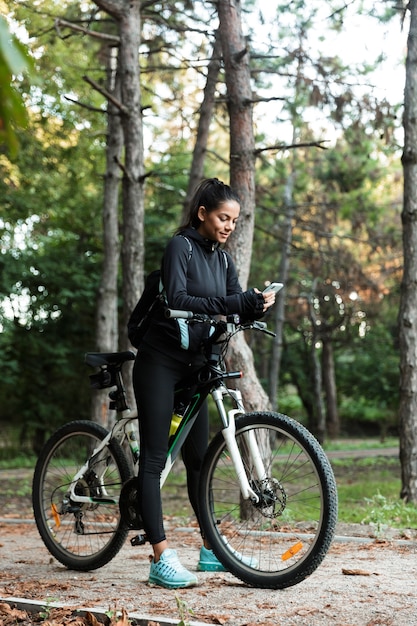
(138, 540)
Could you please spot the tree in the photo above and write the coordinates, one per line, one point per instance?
(60, 182)
(127, 15)
(107, 331)
(242, 176)
(408, 307)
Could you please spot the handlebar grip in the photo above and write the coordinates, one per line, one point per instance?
(184, 315)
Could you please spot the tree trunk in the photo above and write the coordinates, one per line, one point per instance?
(206, 113)
(329, 385)
(127, 13)
(408, 306)
(242, 177)
(133, 252)
(319, 427)
(106, 316)
(133, 169)
(242, 142)
(279, 309)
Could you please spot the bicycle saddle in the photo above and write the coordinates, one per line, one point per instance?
(100, 359)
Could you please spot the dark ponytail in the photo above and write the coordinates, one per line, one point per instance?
(210, 194)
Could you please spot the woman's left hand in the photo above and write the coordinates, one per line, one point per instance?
(269, 299)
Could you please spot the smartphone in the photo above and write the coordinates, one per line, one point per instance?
(273, 287)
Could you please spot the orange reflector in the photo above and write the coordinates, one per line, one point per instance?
(292, 551)
(55, 515)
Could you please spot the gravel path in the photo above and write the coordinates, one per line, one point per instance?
(362, 582)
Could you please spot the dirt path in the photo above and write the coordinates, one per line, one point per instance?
(361, 582)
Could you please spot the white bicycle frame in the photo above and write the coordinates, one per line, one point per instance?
(125, 429)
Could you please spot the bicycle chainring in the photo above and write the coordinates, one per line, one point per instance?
(128, 504)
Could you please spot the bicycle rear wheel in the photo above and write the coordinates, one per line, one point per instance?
(81, 535)
(280, 539)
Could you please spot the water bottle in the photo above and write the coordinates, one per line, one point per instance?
(175, 422)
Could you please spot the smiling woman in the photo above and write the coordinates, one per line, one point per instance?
(200, 280)
(219, 224)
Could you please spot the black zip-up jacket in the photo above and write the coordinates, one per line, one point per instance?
(201, 280)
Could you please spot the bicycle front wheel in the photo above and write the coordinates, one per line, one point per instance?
(75, 496)
(281, 534)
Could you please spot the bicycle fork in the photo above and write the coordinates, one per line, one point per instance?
(229, 434)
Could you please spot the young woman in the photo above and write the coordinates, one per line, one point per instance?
(197, 276)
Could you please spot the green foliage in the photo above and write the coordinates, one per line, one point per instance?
(371, 396)
(14, 60)
(184, 610)
(44, 343)
(368, 490)
(383, 512)
(50, 236)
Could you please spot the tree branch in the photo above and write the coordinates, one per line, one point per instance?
(85, 31)
(312, 144)
(85, 106)
(106, 94)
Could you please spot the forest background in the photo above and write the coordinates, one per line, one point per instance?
(329, 193)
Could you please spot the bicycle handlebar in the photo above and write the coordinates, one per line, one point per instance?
(176, 314)
(202, 317)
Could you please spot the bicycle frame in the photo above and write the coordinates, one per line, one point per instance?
(124, 430)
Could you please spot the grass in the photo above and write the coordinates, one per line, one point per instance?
(14, 461)
(368, 488)
(369, 492)
(360, 444)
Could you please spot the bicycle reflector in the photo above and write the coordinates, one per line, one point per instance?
(55, 515)
(292, 551)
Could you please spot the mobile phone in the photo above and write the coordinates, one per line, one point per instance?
(273, 287)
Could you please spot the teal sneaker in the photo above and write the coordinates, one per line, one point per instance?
(210, 563)
(169, 572)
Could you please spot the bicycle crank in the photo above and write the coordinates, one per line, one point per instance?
(128, 504)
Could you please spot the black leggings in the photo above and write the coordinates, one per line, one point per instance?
(154, 377)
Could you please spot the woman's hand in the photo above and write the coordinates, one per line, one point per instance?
(269, 299)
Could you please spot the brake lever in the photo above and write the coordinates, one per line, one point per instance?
(262, 327)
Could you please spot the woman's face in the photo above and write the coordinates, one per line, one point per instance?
(218, 225)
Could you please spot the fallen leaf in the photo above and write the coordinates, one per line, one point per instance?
(7, 611)
(355, 572)
(220, 619)
(91, 619)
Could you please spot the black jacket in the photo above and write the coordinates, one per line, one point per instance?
(201, 280)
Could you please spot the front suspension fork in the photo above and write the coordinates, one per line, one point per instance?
(229, 434)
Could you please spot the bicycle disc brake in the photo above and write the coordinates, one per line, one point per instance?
(272, 497)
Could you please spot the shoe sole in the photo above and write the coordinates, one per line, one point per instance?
(211, 567)
(204, 566)
(177, 585)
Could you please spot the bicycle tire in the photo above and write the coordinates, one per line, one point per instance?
(282, 539)
(81, 536)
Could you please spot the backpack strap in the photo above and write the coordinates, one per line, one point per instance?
(190, 247)
(226, 260)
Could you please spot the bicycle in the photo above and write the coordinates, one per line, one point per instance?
(268, 497)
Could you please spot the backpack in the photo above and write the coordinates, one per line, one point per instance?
(152, 297)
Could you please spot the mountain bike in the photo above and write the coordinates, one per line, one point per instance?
(268, 498)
